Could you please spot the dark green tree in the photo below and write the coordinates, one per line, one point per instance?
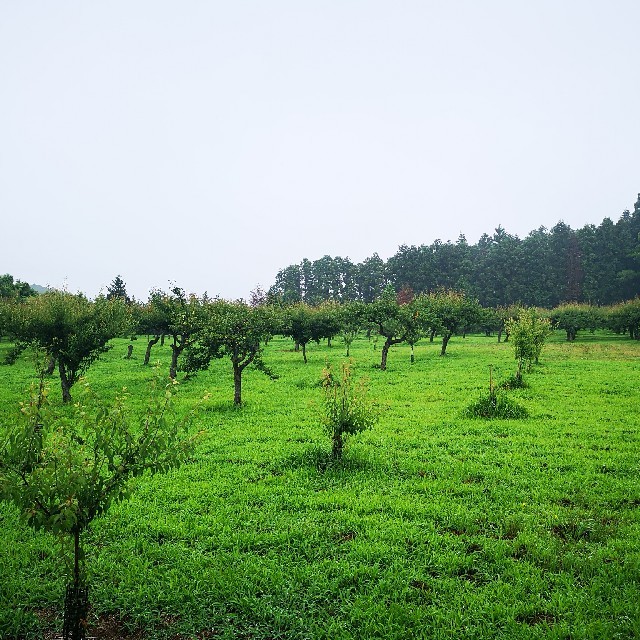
(118, 289)
(390, 320)
(574, 317)
(11, 289)
(452, 312)
(184, 318)
(72, 330)
(236, 330)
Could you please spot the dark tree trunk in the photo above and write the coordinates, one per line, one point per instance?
(237, 384)
(329, 342)
(445, 342)
(65, 382)
(304, 352)
(499, 335)
(51, 366)
(432, 335)
(129, 351)
(385, 352)
(173, 368)
(413, 358)
(76, 602)
(150, 343)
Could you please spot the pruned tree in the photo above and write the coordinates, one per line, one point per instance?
(298, 323)
(573, 317)
(236, 330)
(72, 330)
(184, 318)
(351, 318)
(453, 311)
(150, 320)
(389, 319)
(625, 318)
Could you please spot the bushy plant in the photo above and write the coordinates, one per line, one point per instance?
(496, 404)
(528, 332)
(63, 470)
(347, 410)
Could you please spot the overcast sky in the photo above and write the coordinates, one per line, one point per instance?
(212, 143)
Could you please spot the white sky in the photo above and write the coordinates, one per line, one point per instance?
(212, 143)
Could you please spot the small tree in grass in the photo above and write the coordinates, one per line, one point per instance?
(62, 471)
(528, 332)
(351, 315)
(347, 410)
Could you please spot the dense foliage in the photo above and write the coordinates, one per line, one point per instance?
(70, 329)
(595, 264)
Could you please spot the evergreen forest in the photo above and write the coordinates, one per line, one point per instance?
(599, 265)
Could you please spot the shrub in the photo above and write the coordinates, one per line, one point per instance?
(528, 332)
(347, 410)
(63, 471)
(496, 404)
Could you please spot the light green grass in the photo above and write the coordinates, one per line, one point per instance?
(433, 526)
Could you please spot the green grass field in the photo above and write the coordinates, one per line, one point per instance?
(433, 525)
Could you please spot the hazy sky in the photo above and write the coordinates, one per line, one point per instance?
(213, 143)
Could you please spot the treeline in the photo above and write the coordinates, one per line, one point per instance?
(595, 264)
(69, 332)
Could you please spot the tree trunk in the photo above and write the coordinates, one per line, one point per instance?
(76, 603)
(237, 384)
(413, 359)
(432, 335)
(329, 342)
(129, 351)
(65, 382)
(499, 335)
(385, 352)
(445, 342)
(173, 368)
(51, 366)
(150, 343)
(304, 352)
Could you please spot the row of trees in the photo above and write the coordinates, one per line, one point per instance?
(72, 331)
(596, 264)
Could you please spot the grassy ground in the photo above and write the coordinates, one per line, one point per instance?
(434, 525)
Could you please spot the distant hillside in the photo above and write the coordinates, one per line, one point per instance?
(39, 288)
